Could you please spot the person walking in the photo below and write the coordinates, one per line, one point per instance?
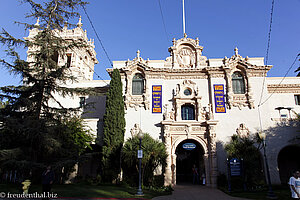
(195, 174)
(47, 180)
(294, 183)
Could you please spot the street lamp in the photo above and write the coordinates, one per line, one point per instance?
(140, 156)
(270, 194)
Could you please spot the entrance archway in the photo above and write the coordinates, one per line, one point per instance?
(288, 161)
(188, 153)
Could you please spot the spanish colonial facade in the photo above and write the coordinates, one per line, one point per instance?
(188, 98)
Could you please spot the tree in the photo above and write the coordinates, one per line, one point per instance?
(154, 155)
(242, 147)
(33, 131)
(113, 129)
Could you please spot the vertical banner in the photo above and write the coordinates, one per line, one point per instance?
(219, 98)
(156, 98)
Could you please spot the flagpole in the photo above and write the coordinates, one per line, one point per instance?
(183, 17)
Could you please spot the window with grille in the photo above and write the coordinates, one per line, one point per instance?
(138, 84)
(238, 83)
(188, 112)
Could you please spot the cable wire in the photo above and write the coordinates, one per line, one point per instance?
(267, 53)
(163, 20)
(281, 80)
(97, 35)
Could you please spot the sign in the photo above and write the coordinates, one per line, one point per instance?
(189, 146)
(156, 98)
(219, 98)
(235, 167)
(140, 154)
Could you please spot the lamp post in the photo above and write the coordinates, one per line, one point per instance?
(270, 194)
(140, 156)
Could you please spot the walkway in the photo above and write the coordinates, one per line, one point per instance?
(196, 192)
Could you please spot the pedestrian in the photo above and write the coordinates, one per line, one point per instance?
(203, 178)
(47, 180)
(294, 183)
(195, 174)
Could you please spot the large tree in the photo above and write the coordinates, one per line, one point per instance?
(114, 128)
(33, 131)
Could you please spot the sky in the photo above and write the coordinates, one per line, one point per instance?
(125, 26)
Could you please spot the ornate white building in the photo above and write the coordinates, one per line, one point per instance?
(189, 99)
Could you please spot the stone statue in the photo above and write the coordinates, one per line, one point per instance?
(242, 130)
(135, 130)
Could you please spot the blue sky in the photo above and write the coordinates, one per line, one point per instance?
(126, 26)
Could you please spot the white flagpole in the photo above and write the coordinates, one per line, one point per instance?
(183, 17)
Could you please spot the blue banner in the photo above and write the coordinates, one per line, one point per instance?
(219, 98)
(156, 98)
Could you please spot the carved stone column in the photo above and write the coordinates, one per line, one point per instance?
(168, 172)
(250, 94)
(229, 88)
(207, 169)
(178, 111)
(173, 168)
(213, 156)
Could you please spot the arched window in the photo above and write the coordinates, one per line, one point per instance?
(138, 84)
(188, 112)
(238, 83)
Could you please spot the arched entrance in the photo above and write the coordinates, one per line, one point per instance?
(288, 161)
(188, 153)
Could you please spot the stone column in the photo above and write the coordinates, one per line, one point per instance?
(168, 171)
(178, 111)
(229, 88)
(173, 168)
(213, 156)
(207, 169)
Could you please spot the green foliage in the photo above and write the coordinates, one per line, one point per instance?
(113, 129)
(154, 155)
(241, 147)
(33, 131)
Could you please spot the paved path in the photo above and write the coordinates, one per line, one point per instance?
(196, 192)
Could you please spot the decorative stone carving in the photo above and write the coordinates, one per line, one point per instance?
(283, 88)
(169, 114)
(242, 130)
(186, 53)
(135, 130)
(188, 130)
(186, 57)
(240, 64)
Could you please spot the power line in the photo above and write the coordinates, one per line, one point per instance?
(96, 73)
(281, 80)
(163, 20)
(267, 52)
(97, 35)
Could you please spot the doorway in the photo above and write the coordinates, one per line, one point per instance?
(188, 153)
(288, 161)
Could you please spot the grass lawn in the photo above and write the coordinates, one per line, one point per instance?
(83, 190)
(281, 192)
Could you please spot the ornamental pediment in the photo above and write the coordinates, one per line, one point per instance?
(237, 59)
(137, 62)
(186, 53)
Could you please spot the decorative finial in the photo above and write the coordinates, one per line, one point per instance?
(79, 24)
(138, 54)
(37, 22)
(174, 41)
(197, 41)
(65, 25)
(185, 35)
(236, 51)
